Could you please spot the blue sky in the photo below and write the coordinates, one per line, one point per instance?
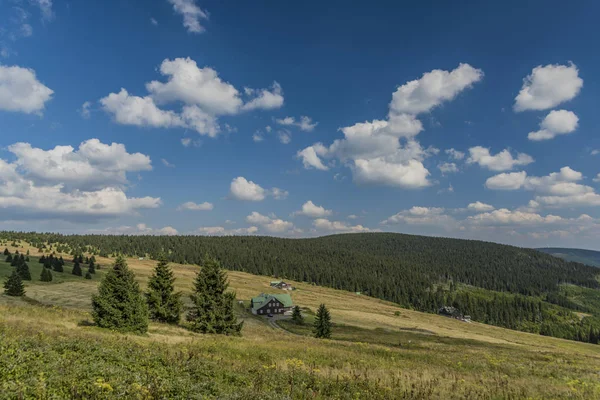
(301, 119)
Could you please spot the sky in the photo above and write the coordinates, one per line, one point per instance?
(302, 119)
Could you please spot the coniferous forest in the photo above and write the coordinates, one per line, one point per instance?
(496, 284)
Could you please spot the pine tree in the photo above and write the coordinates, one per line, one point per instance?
(297, 317)
(92, 267)
(9, 258)
(6, 252)
(56, 265)
(88, 275)
(42, 259)
(322, 327)
(13, 286)
(212, 310)
(77, 269)
(119, 304)
(23, 271)
(164, 304)
(46, 275)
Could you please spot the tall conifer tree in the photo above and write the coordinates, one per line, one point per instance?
(119, 304)
(164, 304)
(322, 327)
(212, 310)
(13, 286)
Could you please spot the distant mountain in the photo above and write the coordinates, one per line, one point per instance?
(589, 257)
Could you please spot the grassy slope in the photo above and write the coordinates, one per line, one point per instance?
(374, 354)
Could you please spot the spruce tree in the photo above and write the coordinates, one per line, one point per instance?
(13, 286)
(92, 267)
(119, 304)
(9, 258)
(56, 265)
(6, 252)
(322, 327)
(77, 269)
(46, 275)
(88, 275)
(297, 317)
(164, 304)
(212, 310)
(23, 271)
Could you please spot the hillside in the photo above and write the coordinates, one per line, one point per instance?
(588, 257)
(378, 351)
(496, 284)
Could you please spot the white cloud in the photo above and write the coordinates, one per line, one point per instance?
(448, 168)
(20, 91)
(501, 161)
(190, 205)
(588, 199)
(421, 216)
(93, 166)
(433, 88)
(352, 216)
(167, 163)
(221, 231)
(480, 207)
(506, 181)
(85, 109)
(194, 86)
(455, 154)
(271, 224)
(257, 137)
(265, 99)
(385, 151)
(557, 122)
(310, 156)
(284, 136)
(312, 210)
(139, 229)
(325, 225)
(46, 8)
(504, 216)
(305, 123)
(153, 21)
(268, 128)
(243, 189)
(188, 142)
(192, 14)
(203, 94)
(278, 194)
(547, 87)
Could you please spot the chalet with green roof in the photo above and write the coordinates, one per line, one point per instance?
(266, 304)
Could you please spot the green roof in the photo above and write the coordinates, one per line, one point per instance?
(259, 301)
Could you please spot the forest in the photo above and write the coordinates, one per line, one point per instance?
(501, 285)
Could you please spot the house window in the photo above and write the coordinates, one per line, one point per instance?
(260, 311)
(268, 310)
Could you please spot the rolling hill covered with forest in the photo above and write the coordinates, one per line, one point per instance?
(588, 257)
(501, 285)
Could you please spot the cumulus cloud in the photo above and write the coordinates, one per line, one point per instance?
(271, 224)
(305, 123)
(222, 231)
(557, 122)
(325, 225)
(191, 13)
(421, 216)
(139, 229)
(284, 136)
(264, 99)
(385, 152)
(448, 168)
(433, 89)
(504, 216)
(455, 154)
(479, 207)
(93, 166)
(203, 94)
(20, 90)
(76, 185)
(190, 205)
(548, 86)
(243, 189)
(506, 181)
(501, 161)
(310, 209)
(257, 137)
